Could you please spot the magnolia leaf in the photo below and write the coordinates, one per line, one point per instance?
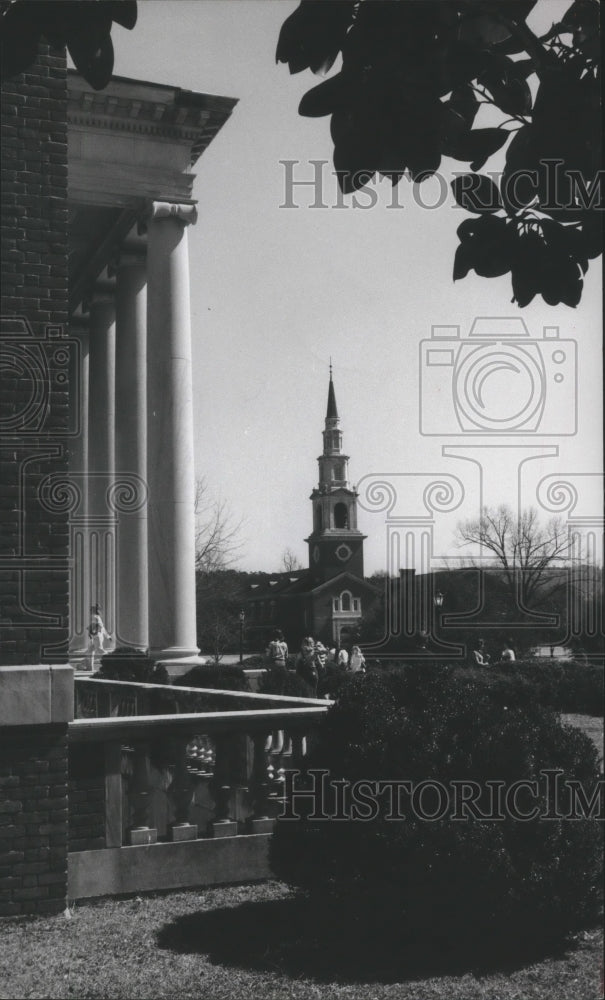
(477, 146)
(20, 37)
(324, 99)
(476, 193)
(93, 58)
(123, 12)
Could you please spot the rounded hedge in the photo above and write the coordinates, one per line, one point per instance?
(447, 881)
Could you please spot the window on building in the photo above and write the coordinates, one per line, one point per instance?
(341, 516)
(345, 600)
(356, 604)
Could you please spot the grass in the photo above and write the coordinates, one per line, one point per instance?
(239, 943)
(259, 942)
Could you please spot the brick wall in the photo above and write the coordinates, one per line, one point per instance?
(86, 798)
(36, 364)
(33, 819)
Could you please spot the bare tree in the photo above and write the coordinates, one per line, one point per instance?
(527, 551)
(217, 535)
(290, 561)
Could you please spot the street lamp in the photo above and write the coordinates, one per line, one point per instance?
(242, 619)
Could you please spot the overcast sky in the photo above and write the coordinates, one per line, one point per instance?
(275, 292)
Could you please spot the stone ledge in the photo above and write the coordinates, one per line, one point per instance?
(154, 867)
(36, 695)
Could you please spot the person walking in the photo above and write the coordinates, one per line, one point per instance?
(343, 658)
(277, 655)
(357, 663)
(508, 653)
(305, 664)
(480, 657)
(97, 634)
(277, 650)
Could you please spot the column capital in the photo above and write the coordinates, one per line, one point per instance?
(101, 291)
(156, 211)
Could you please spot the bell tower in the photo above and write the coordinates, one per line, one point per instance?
(335, 544)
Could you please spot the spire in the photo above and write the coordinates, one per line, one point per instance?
(332, 411)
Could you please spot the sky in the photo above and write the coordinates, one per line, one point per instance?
(276, 292)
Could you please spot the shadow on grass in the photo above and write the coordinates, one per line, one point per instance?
(291, 937)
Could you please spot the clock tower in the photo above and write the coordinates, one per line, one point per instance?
(335, 544)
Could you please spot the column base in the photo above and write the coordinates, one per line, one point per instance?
(224, 828)
(261, 825)
(142, 835)
(171, 653)
(183, 831)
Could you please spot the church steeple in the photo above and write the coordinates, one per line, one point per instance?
(335, 544)
(332, 464)
(332, 412)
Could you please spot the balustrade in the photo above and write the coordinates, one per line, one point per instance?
(190, 775)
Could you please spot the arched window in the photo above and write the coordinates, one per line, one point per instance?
(341, 516)
(345, 600)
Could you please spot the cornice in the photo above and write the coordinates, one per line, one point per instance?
(148, 109)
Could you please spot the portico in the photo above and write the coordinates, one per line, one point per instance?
(131, 149)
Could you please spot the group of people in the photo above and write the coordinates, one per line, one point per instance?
(483, 659)
(314, 659)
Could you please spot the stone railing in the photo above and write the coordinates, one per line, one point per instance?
(182, 777)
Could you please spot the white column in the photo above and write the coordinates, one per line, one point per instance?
(170, 471)
(79, 602)
(101, 451)
(131, 448)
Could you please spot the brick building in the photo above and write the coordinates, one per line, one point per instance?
(96, 429)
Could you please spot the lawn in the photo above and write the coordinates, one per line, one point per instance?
(243, 943)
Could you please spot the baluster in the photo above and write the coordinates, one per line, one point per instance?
(181, 790)
(223, 825)
(260, 821)
(140, 832)
(299, 748)
(103, 703)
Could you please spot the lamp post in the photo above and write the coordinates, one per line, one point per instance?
(242, 619)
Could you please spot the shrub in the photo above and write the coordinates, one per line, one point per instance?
(285, 682)
(565, 686)
(209, 676)
(128, 664)
(450, 882)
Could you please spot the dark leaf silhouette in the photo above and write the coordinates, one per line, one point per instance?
(413, 77)
(313, 34)
(84, 26)
(476, 193)
(93, 57)
(478, 145)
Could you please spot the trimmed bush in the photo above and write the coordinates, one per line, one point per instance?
(285, 682)
(565, 686)
(446, 883)
(562, 685)
(209, 676)
(128, 664)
